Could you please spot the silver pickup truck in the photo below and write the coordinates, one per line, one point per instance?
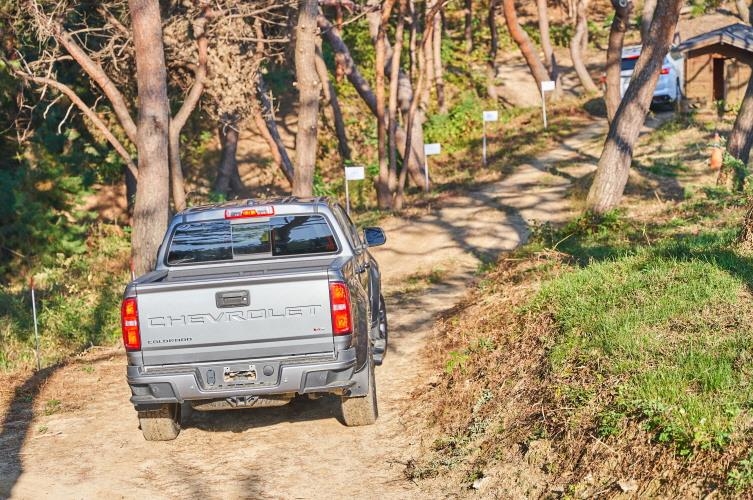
(251, 303)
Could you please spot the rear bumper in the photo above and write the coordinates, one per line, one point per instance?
(298, 375)
(662, 99)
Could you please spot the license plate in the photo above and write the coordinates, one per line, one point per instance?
(239, 374)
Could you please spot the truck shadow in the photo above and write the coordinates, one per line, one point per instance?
(16, 428)
(18, 420)
(301, 409)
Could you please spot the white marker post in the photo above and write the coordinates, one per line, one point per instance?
(36, 327)
(352, 174)
(488, 116)
(546, 86)
(430, 149)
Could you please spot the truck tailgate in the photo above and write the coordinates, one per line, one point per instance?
(252, 317)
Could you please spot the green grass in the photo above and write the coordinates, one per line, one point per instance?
(664, 327)
(666, 168)
(77, 300)
(740, 476)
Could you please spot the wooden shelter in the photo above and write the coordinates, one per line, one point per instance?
(718, 64)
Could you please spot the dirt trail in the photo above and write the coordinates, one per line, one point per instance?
(79, 437)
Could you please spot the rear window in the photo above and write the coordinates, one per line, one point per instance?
(628, 64)
(221, 240)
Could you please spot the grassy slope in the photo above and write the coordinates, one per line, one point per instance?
(610, 351)
(78, 302)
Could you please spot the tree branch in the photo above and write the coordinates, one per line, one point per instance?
(189, 103)
(89, 113)
(177, 122)
(98, 75)
(271, 126)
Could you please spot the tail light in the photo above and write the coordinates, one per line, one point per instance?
(339, 299)
(665, 71)
(129, 320)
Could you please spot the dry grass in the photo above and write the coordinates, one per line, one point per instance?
(500, 410)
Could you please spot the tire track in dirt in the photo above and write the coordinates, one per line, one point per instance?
(89, 446)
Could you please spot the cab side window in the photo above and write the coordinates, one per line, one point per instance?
(350, 228)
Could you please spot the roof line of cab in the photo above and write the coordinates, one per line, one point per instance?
(205, 212)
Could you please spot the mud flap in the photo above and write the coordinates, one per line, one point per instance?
(361, 379)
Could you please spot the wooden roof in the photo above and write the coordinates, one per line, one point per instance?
(737, 35)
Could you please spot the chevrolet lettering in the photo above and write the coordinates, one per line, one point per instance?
(248, 315)
(253, 303)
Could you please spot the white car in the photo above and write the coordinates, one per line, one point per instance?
(669, 87)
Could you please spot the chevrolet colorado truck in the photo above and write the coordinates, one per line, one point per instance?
(252, 303)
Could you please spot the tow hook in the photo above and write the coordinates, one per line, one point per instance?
(241, 401)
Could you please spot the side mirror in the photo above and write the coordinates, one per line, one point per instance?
(374, 236)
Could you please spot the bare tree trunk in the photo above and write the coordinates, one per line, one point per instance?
(427, 68)
(404, 98)
(546, 41)
(538, 71)
(150, 212)
(620, 24)
(411, 116)
(405, 93)
(468, 28)
(576, 47)
(384, 197)
(491, 21)
(228, 166)
(131, 184)
(741, 137)
(330, 97)
(237, 188)
(261, 126)
(614, 164)
(584, 39)
(181, 117)
(309, 88)
(649, 6)
(392, 104)
(339, 66)
(265, 118)
(270, 125)
(400, 195)
(571, 9)
(438, 68)
(415, 159)
(491, 63)
(739, 144)
(413, 40)
(177, 184)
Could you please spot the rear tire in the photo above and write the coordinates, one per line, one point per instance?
(361, 410)
(162, 424)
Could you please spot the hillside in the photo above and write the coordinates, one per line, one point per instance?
(536, 352)
(608, 358)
